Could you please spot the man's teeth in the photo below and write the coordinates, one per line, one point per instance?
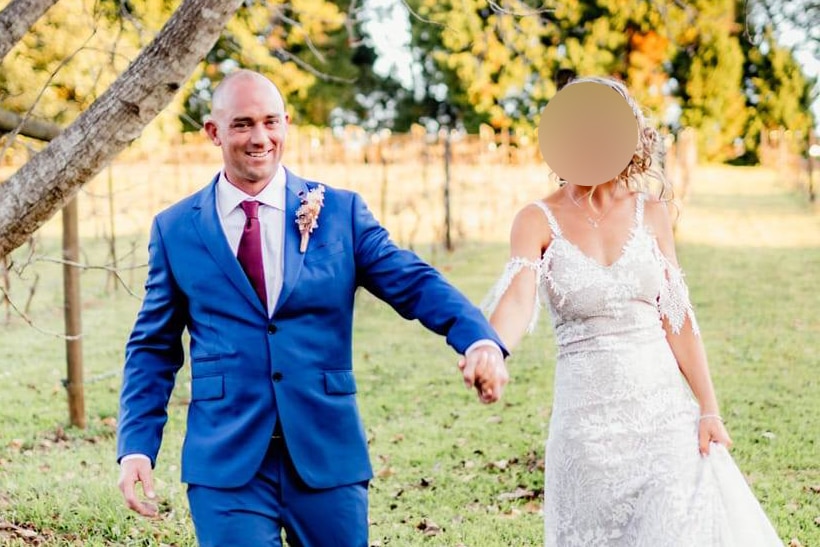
(257, 154)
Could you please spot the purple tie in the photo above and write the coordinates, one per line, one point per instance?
(249, 253)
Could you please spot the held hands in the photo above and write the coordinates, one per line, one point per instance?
(712, 430)
(133, 471)
(483, 368)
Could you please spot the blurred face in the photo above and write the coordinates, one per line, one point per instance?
(588, 133)
(248, 121)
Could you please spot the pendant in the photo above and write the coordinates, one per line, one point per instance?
(593, 222)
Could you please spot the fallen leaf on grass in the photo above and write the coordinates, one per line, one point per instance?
(428, 527)
(533, 507)
(501, 465)
(9, 530)
(517, 494)
(512, 512)
(795, 543)
(386, 472)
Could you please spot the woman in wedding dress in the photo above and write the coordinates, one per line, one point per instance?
(636, 453)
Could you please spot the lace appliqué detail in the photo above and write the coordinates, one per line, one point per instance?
(514, 266)
(673, 300)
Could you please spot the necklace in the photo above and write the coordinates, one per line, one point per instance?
(594, 222)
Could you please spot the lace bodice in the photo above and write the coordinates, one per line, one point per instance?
(587, 299)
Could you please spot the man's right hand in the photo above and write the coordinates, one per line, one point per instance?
(483, 368)
(132, 471)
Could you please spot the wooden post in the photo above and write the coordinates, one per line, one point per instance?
(384, 183)
(4, 268)
(73, 322)
(112, 242)
(811, 166)
(448, 238)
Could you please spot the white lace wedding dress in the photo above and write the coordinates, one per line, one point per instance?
(622, 462)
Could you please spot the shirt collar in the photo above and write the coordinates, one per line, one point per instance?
(229, 196)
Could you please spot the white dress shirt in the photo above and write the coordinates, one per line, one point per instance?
(271, 221)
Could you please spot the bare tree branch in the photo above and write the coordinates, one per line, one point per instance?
(52, 177)
(30, 322)
(280, 14)
(17, 18)
(36, 129)
(419, 17)
(13, 135)
(288, 56)
(498, 8)
(106, 267)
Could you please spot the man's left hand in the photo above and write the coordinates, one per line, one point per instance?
(483, 368)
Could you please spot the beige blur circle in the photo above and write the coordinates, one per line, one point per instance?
(587, 133)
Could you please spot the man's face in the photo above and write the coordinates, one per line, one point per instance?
(250, 124)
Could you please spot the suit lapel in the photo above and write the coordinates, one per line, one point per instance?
(206, 221)
(293, 259)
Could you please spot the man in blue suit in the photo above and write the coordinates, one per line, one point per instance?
(274, 438)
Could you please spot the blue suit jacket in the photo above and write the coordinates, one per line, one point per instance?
(247, 368)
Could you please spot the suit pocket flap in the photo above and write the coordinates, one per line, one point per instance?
(207, 387)
(324, 250)
(340, 382)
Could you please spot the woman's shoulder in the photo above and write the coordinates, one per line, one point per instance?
(657, 211)
(531, 221)
(536, 211)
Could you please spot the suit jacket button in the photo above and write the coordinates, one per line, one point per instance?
(272, 329)
(277, 376)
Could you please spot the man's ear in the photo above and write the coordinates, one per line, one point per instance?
(212, 131)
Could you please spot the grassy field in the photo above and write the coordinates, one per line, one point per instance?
(450, 471)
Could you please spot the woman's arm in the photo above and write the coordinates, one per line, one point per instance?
(683, 338)
(529, 235)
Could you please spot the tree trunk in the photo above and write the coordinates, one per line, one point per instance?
(17, 18)
(52, 177)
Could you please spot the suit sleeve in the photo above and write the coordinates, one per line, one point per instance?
(153, 355)
(412, 287)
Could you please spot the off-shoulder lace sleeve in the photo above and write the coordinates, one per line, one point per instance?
(673, 301)
(512, 269)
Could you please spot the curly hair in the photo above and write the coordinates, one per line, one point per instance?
(644, 172)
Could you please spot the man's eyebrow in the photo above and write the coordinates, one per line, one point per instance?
(245, 119)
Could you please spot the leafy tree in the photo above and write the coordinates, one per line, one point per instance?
(778, 93)
(708, 68)
(315, 50)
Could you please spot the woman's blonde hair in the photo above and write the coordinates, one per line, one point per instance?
(644, 173)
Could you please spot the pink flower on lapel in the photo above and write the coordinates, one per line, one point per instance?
(307, 215)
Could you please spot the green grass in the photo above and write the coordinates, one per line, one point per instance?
(448, 467)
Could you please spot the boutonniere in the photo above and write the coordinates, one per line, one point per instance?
(307, 215)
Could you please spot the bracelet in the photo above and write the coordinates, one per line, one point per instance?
(707, 416)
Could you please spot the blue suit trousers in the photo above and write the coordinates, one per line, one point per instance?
(277, 500)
